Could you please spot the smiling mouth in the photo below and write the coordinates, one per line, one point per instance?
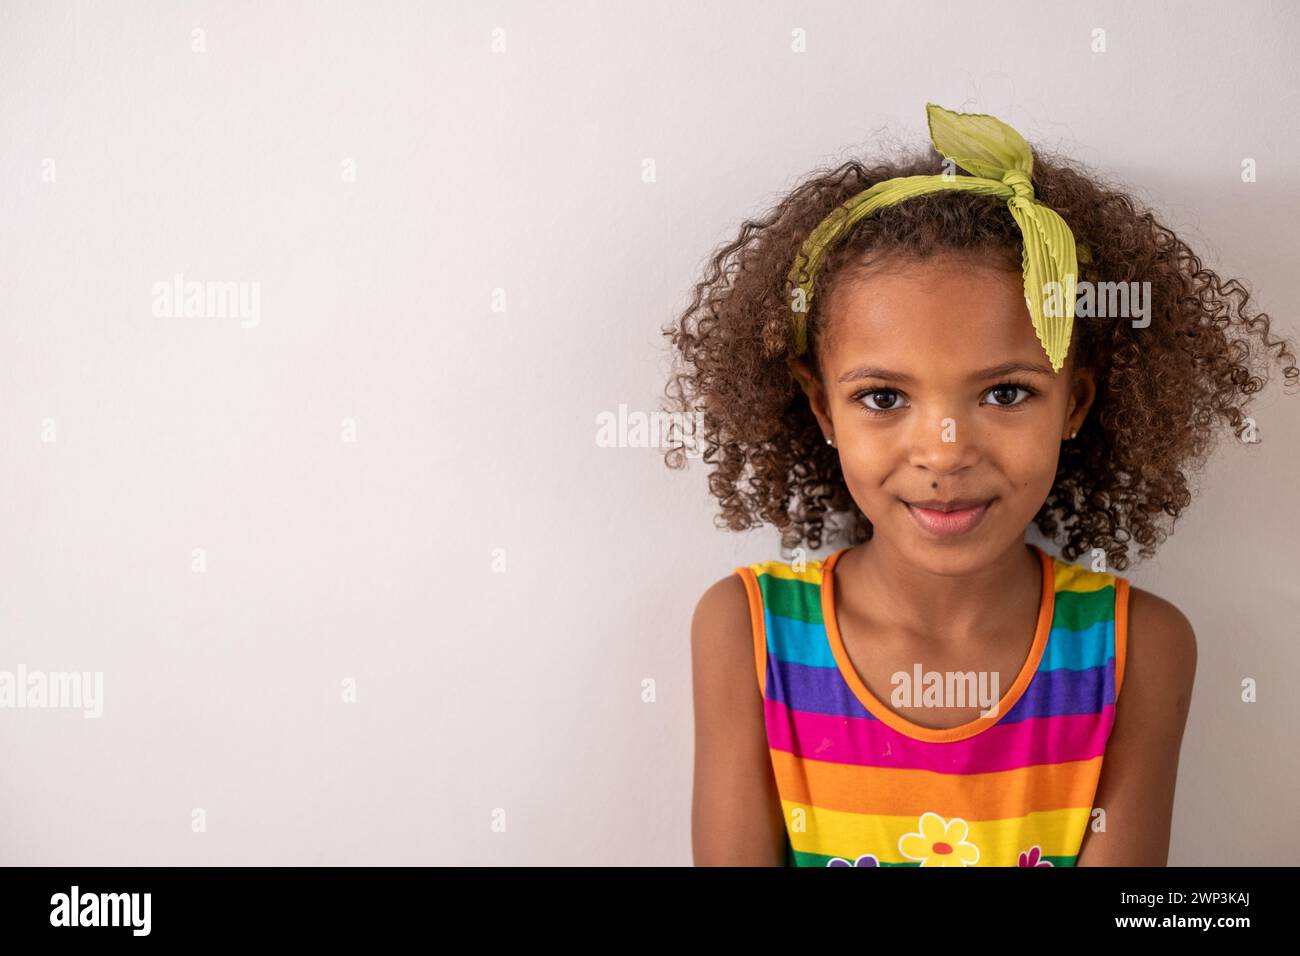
(948, 519)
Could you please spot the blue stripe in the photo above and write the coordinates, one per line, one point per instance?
(797, 642)
(1079, 650)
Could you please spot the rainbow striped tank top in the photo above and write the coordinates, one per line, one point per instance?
(863, 786)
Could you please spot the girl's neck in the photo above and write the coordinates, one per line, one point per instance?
(947, 609)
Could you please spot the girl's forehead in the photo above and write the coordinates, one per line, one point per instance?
(940, 317)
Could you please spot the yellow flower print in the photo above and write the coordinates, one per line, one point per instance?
(940, 843)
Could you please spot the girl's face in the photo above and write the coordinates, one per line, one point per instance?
(936, 391)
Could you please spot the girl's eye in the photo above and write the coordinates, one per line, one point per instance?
(886, 398)
(1007, 390)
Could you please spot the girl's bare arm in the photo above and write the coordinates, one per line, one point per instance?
(736, 817)
(1138, 773)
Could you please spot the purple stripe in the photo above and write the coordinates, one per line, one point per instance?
(1063, 691)
(823, 690)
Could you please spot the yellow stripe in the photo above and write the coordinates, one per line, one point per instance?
(812, 572)
(1072, 577)
(849, 835)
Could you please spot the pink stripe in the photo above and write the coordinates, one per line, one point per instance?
(871, 743)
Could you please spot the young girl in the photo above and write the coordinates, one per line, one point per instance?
(922, 358)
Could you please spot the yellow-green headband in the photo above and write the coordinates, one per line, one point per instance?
(1001, 164)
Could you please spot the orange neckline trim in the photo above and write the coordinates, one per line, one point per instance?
(1046, 608)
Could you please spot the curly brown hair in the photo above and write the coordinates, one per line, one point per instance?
(1163, 391)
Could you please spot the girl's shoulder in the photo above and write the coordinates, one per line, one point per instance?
(727, 630)
(1155, 644)
(1160, 638)
(1151, 631)
(721, 623)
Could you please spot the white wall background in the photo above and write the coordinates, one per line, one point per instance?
(475, 429)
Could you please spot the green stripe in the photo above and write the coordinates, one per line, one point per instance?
(818, 859)
(1080, 610)
(799, 600)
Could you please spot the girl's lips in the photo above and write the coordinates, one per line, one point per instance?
(947, 523)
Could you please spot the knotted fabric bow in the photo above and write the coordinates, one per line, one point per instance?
(1000, 164)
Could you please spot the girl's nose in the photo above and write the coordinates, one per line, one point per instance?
(941, 445)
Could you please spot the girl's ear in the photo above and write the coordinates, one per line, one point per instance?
(1083, 391)
(812, 387)
(802, 372)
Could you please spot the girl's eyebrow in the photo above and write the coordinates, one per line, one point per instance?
(1006, 368)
